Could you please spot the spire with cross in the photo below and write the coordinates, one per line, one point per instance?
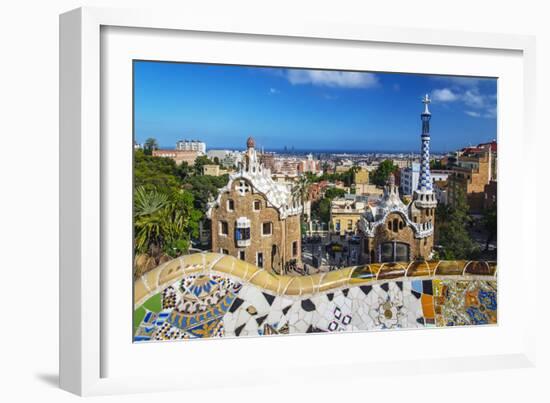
(426, 101)
(425, 180)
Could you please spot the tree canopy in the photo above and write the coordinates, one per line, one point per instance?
(204, 188)
(452, 234)
(346, 177)
(320, 209)
(150, 145)
(381, 174)
(169, 202)
(164, 221)
(155, 172)
(200, 162)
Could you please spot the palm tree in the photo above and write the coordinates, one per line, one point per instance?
(164, 223)
(150, 145)
(149, 219)
(300, 190)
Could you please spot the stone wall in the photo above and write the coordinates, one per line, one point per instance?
(419, 248)
(276, 248)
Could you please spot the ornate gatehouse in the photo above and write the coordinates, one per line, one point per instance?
(255, 218)
(393, 231)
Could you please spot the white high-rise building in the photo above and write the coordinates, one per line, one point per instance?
(409, 178)
(191, 145)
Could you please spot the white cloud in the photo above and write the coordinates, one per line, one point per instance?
(491, 113)
(274, 91)
(334, 79)
(474, 99)
(444, 95)
(477, 104)
(473, 114)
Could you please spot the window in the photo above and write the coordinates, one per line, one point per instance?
(395, 225)
(350, 225)
(242, 234)
(401, 225)
(394, 252)
(241, 255)
(337, 225)
(294, 248)
(224, 251)
(243, 188)
(386, 252)
(401, 252)
(260, 259)
(267, 228)
(389, 225)
(257, 205)
(230, 205)
(224, 228)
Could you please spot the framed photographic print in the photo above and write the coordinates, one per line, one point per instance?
(226, 189)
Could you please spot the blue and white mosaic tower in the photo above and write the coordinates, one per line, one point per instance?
(425, 180)
(424, 195)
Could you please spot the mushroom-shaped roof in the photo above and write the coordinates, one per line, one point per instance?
(250, 143)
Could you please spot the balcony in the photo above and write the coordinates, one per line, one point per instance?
(242, 232)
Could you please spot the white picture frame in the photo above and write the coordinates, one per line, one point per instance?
(84, 340)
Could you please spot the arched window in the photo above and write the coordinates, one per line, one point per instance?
(389, 225)
(395, 225)
(401, 224)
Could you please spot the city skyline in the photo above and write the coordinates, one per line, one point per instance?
(308, 109)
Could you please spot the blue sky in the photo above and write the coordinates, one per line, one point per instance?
(308, 109)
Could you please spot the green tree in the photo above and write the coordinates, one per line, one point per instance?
(332, 193)
(164, 221)
(200, 162)
(451, 223)
(204, 188)
(490, 224)
(300, 194)
(155, 172)
(347, 177)
(150, 145)
(380, 175)
(183, 170)
(320, 210)
(436, 164)
(300, 190)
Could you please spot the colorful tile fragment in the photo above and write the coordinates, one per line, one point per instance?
(209, 305)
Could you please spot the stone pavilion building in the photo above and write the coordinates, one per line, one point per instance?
(255, 218)
(393, 231)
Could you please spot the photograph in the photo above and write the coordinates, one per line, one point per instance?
(283, 201)
(293, 201)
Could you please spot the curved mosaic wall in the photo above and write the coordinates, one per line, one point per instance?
(213, 295)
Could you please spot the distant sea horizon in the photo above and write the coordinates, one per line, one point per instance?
(290, 150)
